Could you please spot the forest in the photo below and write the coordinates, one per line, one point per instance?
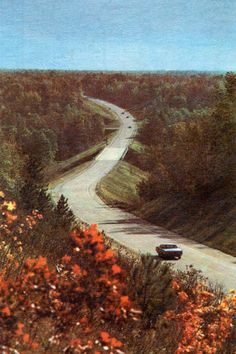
(43, 116)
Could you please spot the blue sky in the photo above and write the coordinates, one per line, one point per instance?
(118, 34)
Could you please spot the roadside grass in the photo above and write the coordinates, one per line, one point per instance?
(227, 239)
(81, 160)
(135, 151)
(206, 222)
(136, 146)
(59, 168)
(111, 119)
(119, 187)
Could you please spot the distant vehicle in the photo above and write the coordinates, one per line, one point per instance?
(129, 126)
(127, 116)
(169, 251)
(122, 112)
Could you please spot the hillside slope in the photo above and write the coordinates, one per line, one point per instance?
(211, 222)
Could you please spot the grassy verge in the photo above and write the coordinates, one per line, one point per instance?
(59, 168)
(119, 187)
(211, 222)
(110, 118)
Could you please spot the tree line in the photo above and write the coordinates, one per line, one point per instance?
(195, 156)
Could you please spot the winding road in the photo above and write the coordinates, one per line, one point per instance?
(127, 229)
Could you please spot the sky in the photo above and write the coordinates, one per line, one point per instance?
(120, 35)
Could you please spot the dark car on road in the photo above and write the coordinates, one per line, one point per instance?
(169, 251)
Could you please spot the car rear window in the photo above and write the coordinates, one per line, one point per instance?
(168, 246)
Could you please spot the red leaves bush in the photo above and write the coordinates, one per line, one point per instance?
(86, 288)
(204, 321)
(69, 307)
(103, 279)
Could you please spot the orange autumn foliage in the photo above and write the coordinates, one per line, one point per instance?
(91, 284)
(6, 311)
(85, 286)
(110, 341)
(66, 259)
(116, 269)
(204, 321)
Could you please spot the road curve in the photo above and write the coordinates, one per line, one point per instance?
(127, 229)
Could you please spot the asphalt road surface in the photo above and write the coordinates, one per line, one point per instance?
(127, 229)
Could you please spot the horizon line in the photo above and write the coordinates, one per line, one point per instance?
(215, 71)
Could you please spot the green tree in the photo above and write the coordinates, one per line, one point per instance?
(34, 194)
(150, 282)
(64, 216)
(11, 166)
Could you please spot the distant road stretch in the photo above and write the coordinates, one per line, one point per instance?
(127, 229)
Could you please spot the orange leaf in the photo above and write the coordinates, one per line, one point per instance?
(183, 296)
(116, 343)
(96, 238)
(105, 337)
(116, 269)
(76, 269)
(92, 230)
(175, 285)
(10, 217)
(40, 263)
(100, 247)
(108, 254)
(83, 320)
(26, 338)
(34, 345)
(29, 262)
(118, 312)
(6, 311)
(124, 301)
(66, 259)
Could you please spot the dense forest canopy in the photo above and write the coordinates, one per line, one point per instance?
(146, 92)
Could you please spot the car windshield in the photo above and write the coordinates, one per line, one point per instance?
(168, 246)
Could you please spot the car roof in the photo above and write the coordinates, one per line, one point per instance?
(168, 245)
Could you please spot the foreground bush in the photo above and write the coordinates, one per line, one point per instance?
(202, 321)
(88, 303)
(71, 300)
